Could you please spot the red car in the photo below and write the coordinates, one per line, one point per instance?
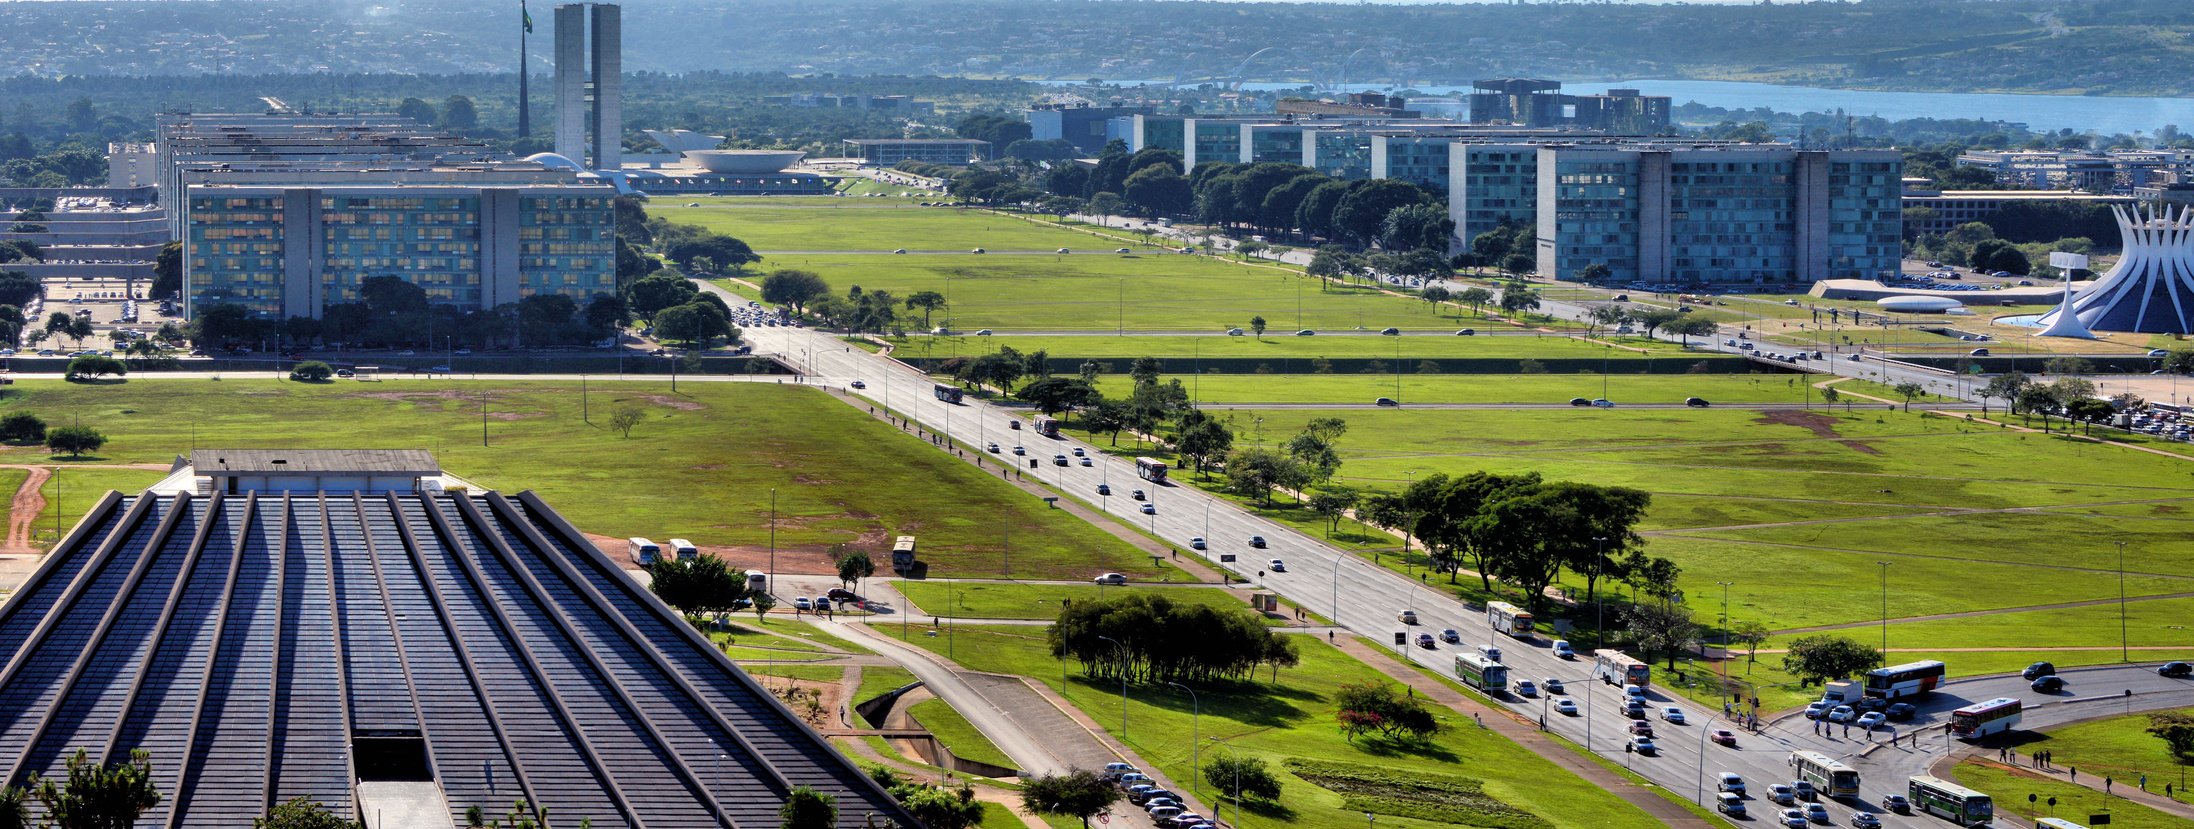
(1724, 736)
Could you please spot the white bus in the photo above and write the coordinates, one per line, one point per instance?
(1047, 426)
(902, 554)
(1151, 469)
(1912, 679)
(1481, 673)
(1949, 801)
(1509, 619)
(757, 582)
(684, 550)
(644, 552)
(2055, 823)
(1617, 668)
(1828, 775)
(1984, 718)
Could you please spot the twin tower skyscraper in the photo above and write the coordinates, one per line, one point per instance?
(589, 85)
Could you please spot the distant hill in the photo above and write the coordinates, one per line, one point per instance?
(2105, 47)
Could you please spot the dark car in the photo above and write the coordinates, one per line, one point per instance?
(1391, 332)
(840, 594)
(1696, 402)
(1579, 401)
(2047, 684)
(1385, 401)
(2176, 670)
(2037, 670)
(1900, 711)
(1104, 489)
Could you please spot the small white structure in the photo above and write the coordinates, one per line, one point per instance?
(2151, 289)
(234, 471)
(1919, 304)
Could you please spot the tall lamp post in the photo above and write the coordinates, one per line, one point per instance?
(1123, 685)
(1599, 558)
(1885, 611)
(1195, 738)
(2124, 651)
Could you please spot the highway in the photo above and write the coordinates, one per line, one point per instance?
(1366, 599)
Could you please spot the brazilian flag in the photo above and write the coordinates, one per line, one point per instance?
(527, 16)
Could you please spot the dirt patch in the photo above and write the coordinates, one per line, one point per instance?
(1821, 425)
(23, 512)
(404, 396)
(514, 415)
(678, 403)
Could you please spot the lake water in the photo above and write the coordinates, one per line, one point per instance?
(2040, 112)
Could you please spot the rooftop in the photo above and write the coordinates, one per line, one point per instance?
(259, 461)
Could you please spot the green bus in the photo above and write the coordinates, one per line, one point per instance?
(1481, 673)
(1950, 801)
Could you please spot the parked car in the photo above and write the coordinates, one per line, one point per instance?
(803, 603)
(1113, 771)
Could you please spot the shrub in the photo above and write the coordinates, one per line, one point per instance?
(312, 371)
(22, 427)
(75, 440)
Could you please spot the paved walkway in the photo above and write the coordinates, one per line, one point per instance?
(2127, 789)
(1528, 735)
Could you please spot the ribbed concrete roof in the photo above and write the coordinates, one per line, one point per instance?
(268, 646)
(267, 461)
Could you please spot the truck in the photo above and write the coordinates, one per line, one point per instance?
(902, 554)
(1843, 691)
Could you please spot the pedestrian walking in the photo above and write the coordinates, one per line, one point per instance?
(1476, 719)
(2144, 782)
(2075, 774)
(2106, 784)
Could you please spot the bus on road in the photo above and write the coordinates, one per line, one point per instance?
(1047, 426)
(1151, 469)
(1950, 801)
(1617, 668)
(949, 394)
(1828, 775)
(1912, 679)
(1509, 619)
(1481, 673)
(1984, 718)
(902, 554)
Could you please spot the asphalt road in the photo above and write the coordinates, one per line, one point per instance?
(1365, 599)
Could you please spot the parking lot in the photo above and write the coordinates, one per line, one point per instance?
(110, 304)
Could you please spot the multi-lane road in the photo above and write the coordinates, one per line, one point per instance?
(1367, 599)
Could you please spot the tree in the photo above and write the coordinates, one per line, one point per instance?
(855, 566)
(2006, 386)
(1256, 470)
(940, 808)
(1517, 299)
(1420, 226)
(459, 114)
(1692, 326)
(928, 301)
(806, 808)
(1370, 706)
(167, 272)
(1518, 264)
(1652, 319)
(791, 287)
(2068, 364)
(93, 366)
(297, 813)
(1361, 214)
(1159, 190)
(2176, 729)
(1475, 298)
(22, 427)
(624, 418)
(651, 294)
(2089, 411)
(1053, 395)
(1109, 417)
(1242, 776)
(1257, 327)
(696, 586)
(1595, 273)
(1909, 390)
(696, 324)
(312, 371)
(1751, 634)
(417, 110)
(762, 603)
(1201, 439)
(1077, 793)
(1665, 626)
(1333, 505)
(1609, 315)
(1821, 657)
(98, 796)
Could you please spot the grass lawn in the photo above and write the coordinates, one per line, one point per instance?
(1279, 345)
(956, 733)
(782, 628)
(996, 600)
(1052, 292)
(876, 682)
(1294, 719)
(2010, 788)
(2119, 747)
(804, 673)
(11, 481)
(1480, 388)
(869, 224)
(71, 491)
(701, 465)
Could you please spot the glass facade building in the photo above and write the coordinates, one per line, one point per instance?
(1731, 215)
(1492, 185)
(1594, 215)
(1866, 217)
(1419, 160)
(285, 252)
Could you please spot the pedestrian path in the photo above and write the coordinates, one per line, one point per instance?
(2059, 772)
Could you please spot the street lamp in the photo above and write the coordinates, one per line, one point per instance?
(1703, 731)
(1885, 611)
(1195, 737)
(2124, 652)
(1599, 605)
(1123, 685)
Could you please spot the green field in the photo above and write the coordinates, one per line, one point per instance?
(1295, 719)
(876, 682)
(956, 733)
(1013, 600)
(1278, 344)
(1482, 388)
(817, 223)
(2120, 747)
(71, 491)
(2010, 788)
(701, 465)
(1106, 292)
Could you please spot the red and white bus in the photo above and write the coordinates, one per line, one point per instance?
(1984, 718)
(1047, 426)
(1912, 679)
(1151, 469)
(1617, 668)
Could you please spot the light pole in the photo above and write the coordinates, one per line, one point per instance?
(1195, 738)
(1123, 685)
(1599, 557)
(1725, 637)
(1703, 731)
(1337, 559)
(2124, 651)
(773, 540)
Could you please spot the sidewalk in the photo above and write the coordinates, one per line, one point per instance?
(2127, 790)
(1528, 735)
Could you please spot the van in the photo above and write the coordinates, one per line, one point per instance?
(684, 550)
(643, 551)
(1730, 803)
(1490, 652)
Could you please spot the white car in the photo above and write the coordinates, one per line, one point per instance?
(1842, 713)
(1112, 578)
(1673, 714)
(1870, 720)
(1565, 705)
(1782, 793)
(1793, 819)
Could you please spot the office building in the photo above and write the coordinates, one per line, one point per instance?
(1529, 102)
(1362, 104)
(285, 252)
(90, 233)
(2115, 171)
(399, 645)
(131, 164)
(884, 152)
(1739, 214)
(589, 85)
(1085, 126)
(1947, 209)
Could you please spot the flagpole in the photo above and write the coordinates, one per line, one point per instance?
(525, 108)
